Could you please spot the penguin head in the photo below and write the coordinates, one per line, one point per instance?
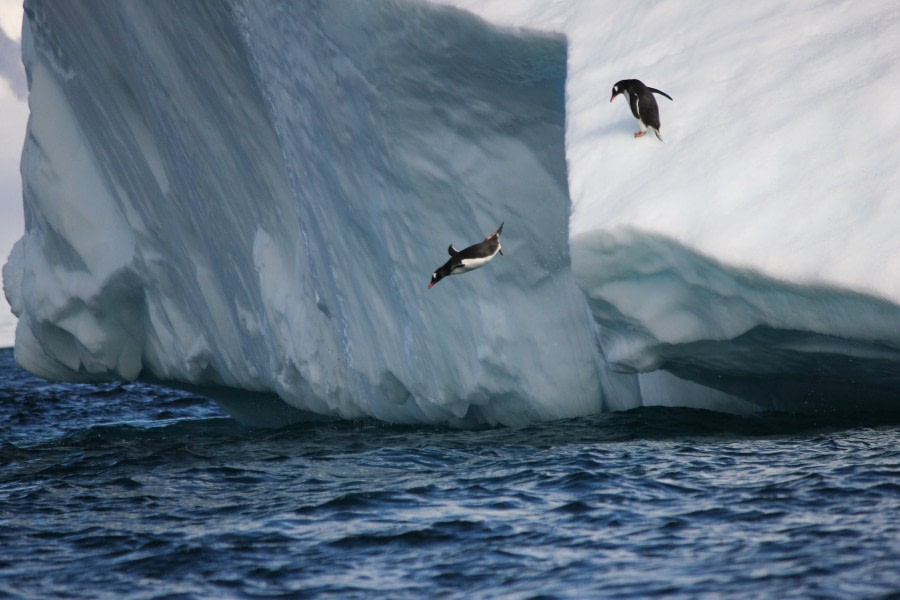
(616, 90)
(445, 270)
(622, 87)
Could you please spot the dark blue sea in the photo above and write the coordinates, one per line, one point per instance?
(130, 490)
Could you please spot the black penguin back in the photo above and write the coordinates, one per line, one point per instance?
(643, 104)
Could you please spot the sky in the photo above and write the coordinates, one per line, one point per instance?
(13, 118)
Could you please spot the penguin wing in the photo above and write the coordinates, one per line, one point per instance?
(634, 103)
(449, 266)
(662, 93)
(452, 251)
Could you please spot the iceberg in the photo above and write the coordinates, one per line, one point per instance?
(249, 198)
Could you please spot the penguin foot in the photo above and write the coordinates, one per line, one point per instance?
(638, 134)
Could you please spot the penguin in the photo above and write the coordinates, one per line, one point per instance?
(469, 259)
(643, 104)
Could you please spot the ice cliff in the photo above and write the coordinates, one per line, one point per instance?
(250, 197)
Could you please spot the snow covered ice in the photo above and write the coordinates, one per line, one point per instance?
(250, 197)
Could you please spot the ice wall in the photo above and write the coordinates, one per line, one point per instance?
(254, 195)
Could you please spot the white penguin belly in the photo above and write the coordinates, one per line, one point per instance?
(470, 264)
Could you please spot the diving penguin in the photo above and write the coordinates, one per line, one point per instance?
(643, 104)
(470, 258)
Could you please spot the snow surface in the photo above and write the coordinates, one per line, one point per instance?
(250, 197)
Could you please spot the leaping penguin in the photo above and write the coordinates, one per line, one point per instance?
(470, 258)
(643, 104)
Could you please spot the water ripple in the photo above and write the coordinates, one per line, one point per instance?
(117, 490)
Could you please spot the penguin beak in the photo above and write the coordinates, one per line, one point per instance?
(431, 285)
(613, 97)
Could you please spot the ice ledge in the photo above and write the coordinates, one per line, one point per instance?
(781, 346)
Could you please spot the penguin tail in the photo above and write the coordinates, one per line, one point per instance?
(656, 131)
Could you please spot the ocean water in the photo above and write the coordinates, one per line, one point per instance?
(130, 490)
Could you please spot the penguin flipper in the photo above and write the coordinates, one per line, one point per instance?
(662, 93)
(452, 251)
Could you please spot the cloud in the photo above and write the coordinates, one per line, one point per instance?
(11, 68)
(7, 327)
(11, 18)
